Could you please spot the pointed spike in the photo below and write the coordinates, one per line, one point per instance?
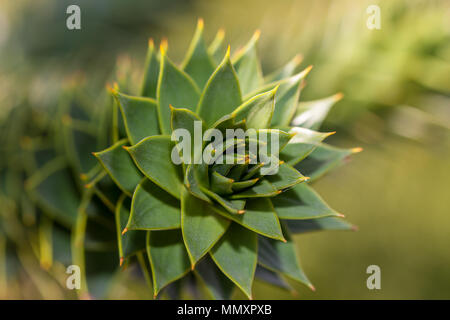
(200, 23)
(312, 287)
(164, 44)
(256, 35)
(338, 96)
(124, 231)
(298, 58)
(109, 88)
(308, 69)
(331, 133)
(274, 90)
(241, 211)
(121, 261)
(227, 54)
(221, 33)
(356, 150)
(340, 215)
(151, 43)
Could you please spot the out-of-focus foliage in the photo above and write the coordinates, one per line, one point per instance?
(394, 80)
(405, 63)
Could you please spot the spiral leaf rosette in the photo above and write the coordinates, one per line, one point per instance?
(228, 218)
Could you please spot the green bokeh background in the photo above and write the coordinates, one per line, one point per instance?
(396, 83)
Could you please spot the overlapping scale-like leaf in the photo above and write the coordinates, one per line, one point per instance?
(259, 217)
(235, 254)
(198, 63)
(119, 165)
(248, 67)
(131, 242)
(281, 257)
(151, 72)
(301, 202)
(201, 229)
(168, 257)
(323, 159)
(222, 93)
(216, 283)
(310, 114)
(175, 88)
(153, 208)
(302, 144)
(153, 156)
(139, 116)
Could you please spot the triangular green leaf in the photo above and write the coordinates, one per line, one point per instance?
(196, 176)
(286, 176)
(248, 66)
(302, 144)
(197, 62)
(241, 185)
(220, 184)
(151, 72)
(257, 111)
(119, 165)
(139, 115)
(301, 202)
(175, 88)
(260, 190)
(235, 254)
(259, 217)
(133, 241)
(287, 99)
(168, 257)
(153, 209)
(232, 206)
(310, 114)
(271, 277)
(215, 282)
(323, 159)
(201, 229)
(221, 94)
(153, 157)
(281, 257)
